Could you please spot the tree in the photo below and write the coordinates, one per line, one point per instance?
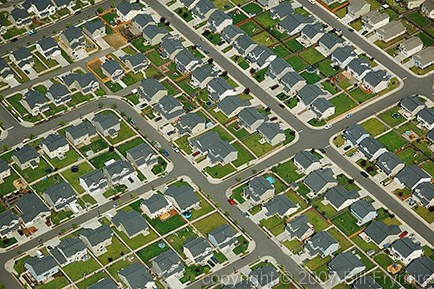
(210, 61)
(167, 23)
(5, 147)
(162, 20)
(67, 24)
(61, 123)
(184, 15)
(224, 73)
(246, 90)
(113, 4)
(100, 9)
(370, 169)
(351, 181)
(363, 163)
(100, 105)
(114, 106)
(252, 70)
(206, 33)
(92, 2)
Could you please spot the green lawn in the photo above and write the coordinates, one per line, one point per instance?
(342, 240)
(177, 239)
(206, 225)
(19, 264)
(205, 208)
(168, 225)
(237, 194)
(124, 133)
(411, 126)
(287, 171)
(114, 251)
(365, 246)
(347, 223)
(326, 210)
(373, 126)
(160, 166)
(265, 19)
(155, 58)
(318, 221)
(12, 32)
(139, 240)
(310, 78)
(252, 8)
(130, 78)
(294, 45)
(297, 63)
(241, 61)
(123, 148)
(428, 166)
(344, 181)
(32, 175)
(86, 283)
(240, 133)
(70, 157)
(16, 104)
(410, 155)
(57, 282)
(319, 267)
(98, 162)
(326, 69)
(392, 141)
(386, 116)
(113, 269)
(343, 103)
(252, 142)
(42, 185)
(360, 95)
(311, 55)
(243, 155)
(139, 44)
(96, 144)
(424, 213)
(242, 245)
(114, 87)
(224, 135)
(383, 280)
(183, 144)
(78, 98)
(184, 13)
(81, 269)
(426, 40)
(296, 199)
(7, 185)
(274, 224)
(419, 19)
(329, 87)
(219, 171)
(264, 38)
(383, 260)
(280, 51)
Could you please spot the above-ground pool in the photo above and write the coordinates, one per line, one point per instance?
(161, 245)
(186, 214)
(270, 180)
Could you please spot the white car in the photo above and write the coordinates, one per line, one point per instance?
(312, 1)
(327, 126)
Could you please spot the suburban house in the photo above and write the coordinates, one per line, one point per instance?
(197, 250)
(202, 75)
(156, 206)
(322, 108)
(153, 35)
(186, 62)
(272, 133)
(86, 83)
(105, 283)
(406, 250)
(299, 228)
(113, 70)
(354, 134)
(35, 102)
(342, 56)
(358, 68)
(222, 237)
(231, 105)
(218, 20)
(21, 17)
(94, 182)
(371, 148)
(136, 275)
(217, 150)
(308, 93)
(60, 4)
(381, 234)
(278, 68)
(107, 124)
(55, 145)
(9, 222)
(81, 133)
(42, 268)
(412, 176)
(230, 33)
(168, 264)
(26, 157)
(170, 46)
(260, 57)
(190, 124)
(22, 57)
(169, 108)
(346, 265)
(410, 46)
(5, 71)
(358, 8)
(118, 172)
(311, 33)
(428, 8)
(151, 90)
(69, 250)
(268, 3)
(376, 81)
(258, 190)
(320, 180)
(32, 209)
(131, 223)
(58, 94)
(366, 282)
(363, 211)
(127, 11)
(264, 277)
(97, 239)
(188, 3)
(182, 197)
(250, 118)
(425, 117)
(322, 244)
(42, 8)
(424, 193)
(73, 38)
(411, 4)
(140, 21)
(61, 197)
(136, 62)
(281, 11)
(390, 31)
(430, 136)
(219, 88)
(142, 157)
(94, 29)
(374, 20)
(421, 271)
(243, 44)
(306, 162)
(340, 198)
(48, 47)
(5, 170)
(390, 163)
(329, 42)
(280, 205)
(292, 82)
(203, 9)
(294, 23)
(411, 105)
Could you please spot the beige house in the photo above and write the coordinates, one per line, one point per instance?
(358, 8)
(410, 46)
(390, 31)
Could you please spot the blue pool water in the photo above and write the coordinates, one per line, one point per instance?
(270, 180)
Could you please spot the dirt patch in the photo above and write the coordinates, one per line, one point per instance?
(114, 40)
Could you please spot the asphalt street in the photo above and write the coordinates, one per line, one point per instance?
(308, 138)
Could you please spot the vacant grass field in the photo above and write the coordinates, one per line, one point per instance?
(252, 142)
(373, 126)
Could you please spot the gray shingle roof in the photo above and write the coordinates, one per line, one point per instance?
(58, 91)
(425, 193)
(388, 162)
(312, 30)
(93, 26)
(81, 129)
(298, 226)
(305, 159)
(3, 165)
(241, 285)
(98, 235)
(221, 233)
(143, 19)
(359, 65)
(343, 53)
(189, 121)
(6, 219)
(170, 44)
(230, 32)
(370, 146)
(320, 106)
(279, 205)
(374, 78)
(290, 79)
(41, 265)
(411, 175)
(155, 203)
(47, 43)
(169, 107)
(184, 58)
(137, 275)
(132, 221)
(106, 120)
(71, 33)
(282, 10)
(67, 248)
(21, 53)
(231, 103)
(30, 206)
(26, 153)
(34, 98)
(169, 260)
(19, 14)
(212, 143)
(257, 187)
(203, 72)
(218, 86)
(152, 31)
(362, 208)
(293, 21)
(411, 103)
(197, 246)
(54, 141)
(202, 7)
(309, 93)
(105, 283)
(406, 246)
(366, 282)
(421, 269)
(354, 132)
(250, 115)
(427, 114)
(269, 130)
(329, 40)
(243, 43)
(338, 195)
(277, 66)
(184, 195)
(141, 154)
(93, 177)
(125, 7)
(318, 179)
(264, 275)
(111, 66)
(118, 169)
(344, 263)
(320, 242)
(217, 18)
(60, 191)
(378, 231)
(150, 87)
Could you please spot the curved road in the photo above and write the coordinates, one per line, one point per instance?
(308, 138)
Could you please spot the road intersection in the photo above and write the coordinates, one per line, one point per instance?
(310, 138)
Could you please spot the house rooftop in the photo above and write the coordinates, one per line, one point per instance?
(26, 153)
(280, 205)
(97, 235)
(30, 206)
(411, 175)
(338, 195)
(231, 103)
(421, 269)
(137, 275)
(132, 222)
(155, 203)
(257, 187)
(54, 141)
(318, 179)
(344, 263)
(406, 246)
(184, 195)
(378, 231)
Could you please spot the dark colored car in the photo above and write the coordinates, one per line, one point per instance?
(281, 105)
(364, 174)
(322, 150)
(347, 147)
(274, 118)
(14, 39)
(274, 87)
(403, 234)
(165, 153)
(195, 153)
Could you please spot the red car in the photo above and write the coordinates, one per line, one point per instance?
(403, 234)
(232, 202)
(195, 154)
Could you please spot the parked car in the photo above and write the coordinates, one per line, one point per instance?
(281, 105)
(403, 234)
(349, 115)
(14, 39)
(195, 153)
(347, 147)
(364, 174)
(274, 87)
(322, 150)
(327, 126)
(143, 105)
(31, 32)
(274, 118)
(175, 149)
(165, 153)
(232, 202)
